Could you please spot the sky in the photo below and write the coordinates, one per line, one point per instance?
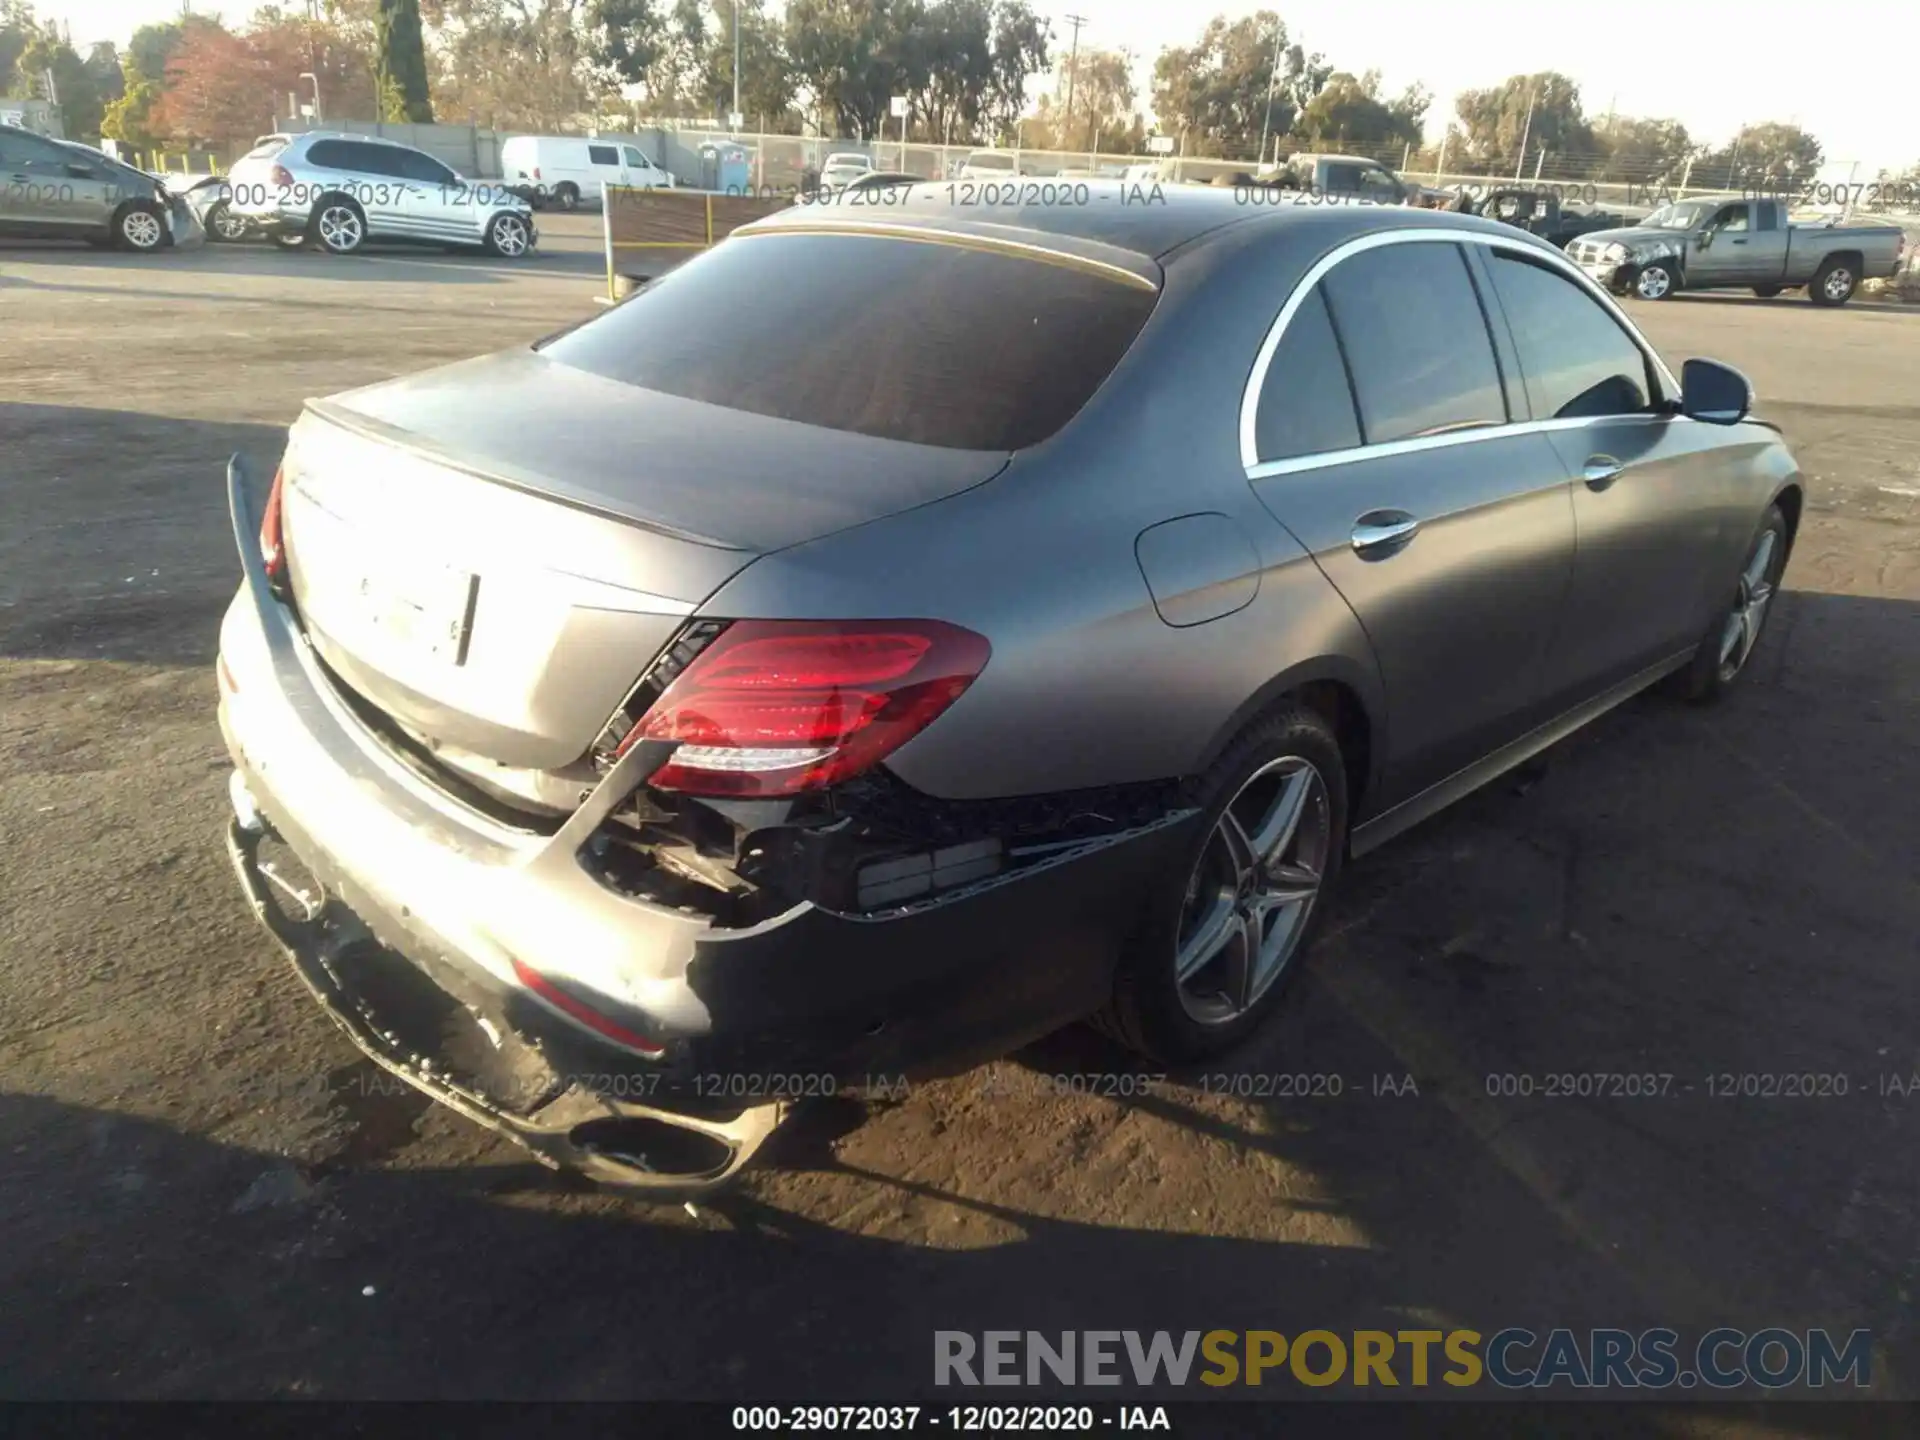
(1714, 65)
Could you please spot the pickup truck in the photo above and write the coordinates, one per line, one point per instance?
(1353, 177)
(1737, 244)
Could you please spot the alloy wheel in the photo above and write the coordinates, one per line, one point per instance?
(1654, 283)
(1839, 283)
(1749, 613)
(229, 226)
(510, 235)
(340, 229)
(1252, 891)
(141, 229)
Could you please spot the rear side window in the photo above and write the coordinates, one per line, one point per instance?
(331, 155)
(1416, 341)
(862, 333)
(379, 160)
(1578, 361)
(418, 165)
(603, 154)
(1306, 407)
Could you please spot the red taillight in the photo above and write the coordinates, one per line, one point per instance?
(584, 1013)
(272, 551)
(536, 172)
(774, 707)
(282, 177)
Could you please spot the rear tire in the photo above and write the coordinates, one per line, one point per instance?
(1767, 292)
(1287, 761)
(1833, 283)
(223, 225)
(567, 195)
(1735, 631)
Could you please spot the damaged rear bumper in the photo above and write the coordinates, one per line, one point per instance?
(431, 919)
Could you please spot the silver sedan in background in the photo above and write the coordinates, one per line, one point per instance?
(720, 705)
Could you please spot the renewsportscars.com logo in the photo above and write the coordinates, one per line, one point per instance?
(1514, 1358)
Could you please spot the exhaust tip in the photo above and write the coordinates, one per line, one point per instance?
(657, 1148)
(246, 812)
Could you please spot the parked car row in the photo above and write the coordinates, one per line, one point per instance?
(60, 190)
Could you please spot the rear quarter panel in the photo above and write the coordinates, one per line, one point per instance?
(1087, 684)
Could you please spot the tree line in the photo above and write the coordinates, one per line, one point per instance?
(1241, 90)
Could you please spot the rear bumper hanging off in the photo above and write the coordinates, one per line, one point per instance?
(562, 1118)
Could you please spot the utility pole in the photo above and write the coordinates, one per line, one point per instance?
(1073, 71)
(736, 57)
(1526, 132)
(1273, 74)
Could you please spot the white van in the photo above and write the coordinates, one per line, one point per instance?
(567, 170)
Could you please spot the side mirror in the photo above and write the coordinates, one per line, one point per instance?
(1715, 393)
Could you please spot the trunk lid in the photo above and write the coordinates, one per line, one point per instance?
(491, 553)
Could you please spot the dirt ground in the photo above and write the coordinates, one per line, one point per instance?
(204, 1192)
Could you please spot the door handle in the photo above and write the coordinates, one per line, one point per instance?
(1739, 242)
(1601, 471)
(1381, 533)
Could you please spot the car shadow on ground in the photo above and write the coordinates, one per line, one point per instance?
(441, 1284)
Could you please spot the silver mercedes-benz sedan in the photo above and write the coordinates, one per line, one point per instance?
(891, 636)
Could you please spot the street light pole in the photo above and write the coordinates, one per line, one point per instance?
(736, 57)
(1273, 74)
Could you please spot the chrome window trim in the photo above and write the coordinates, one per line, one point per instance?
(1263, 360)
(1325, 459)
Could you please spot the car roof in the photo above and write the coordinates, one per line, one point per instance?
(1126, 222)
(1338, 159)
(345, 135)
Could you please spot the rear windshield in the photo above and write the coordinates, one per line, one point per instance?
(267, 146)
(905, 340)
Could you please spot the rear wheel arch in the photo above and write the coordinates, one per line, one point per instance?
(1342, 694)
(1790, 500)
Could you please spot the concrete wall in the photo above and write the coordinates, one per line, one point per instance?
(35, 115)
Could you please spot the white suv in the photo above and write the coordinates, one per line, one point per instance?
(340, 191)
